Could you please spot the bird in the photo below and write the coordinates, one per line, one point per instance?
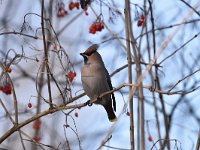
(96, 80)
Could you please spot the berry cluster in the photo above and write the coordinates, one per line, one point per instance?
(73, 5)
(96, 26)
(61, 10)
(36, 126)
(141, 21)
(7, 89)
(71, 75)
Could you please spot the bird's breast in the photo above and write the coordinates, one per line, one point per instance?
(94, 80)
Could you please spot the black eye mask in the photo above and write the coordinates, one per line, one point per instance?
(85, 59)
(86, 55)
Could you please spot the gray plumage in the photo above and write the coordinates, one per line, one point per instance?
(96, 80)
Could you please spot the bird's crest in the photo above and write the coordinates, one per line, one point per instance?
(91, 49)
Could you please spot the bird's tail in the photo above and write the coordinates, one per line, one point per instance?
(110, 112)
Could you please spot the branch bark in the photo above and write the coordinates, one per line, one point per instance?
(127, 25)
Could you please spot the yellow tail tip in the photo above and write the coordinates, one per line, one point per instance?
(113, 120)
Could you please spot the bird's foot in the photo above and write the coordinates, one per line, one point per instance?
(89, 103)
(99, 98)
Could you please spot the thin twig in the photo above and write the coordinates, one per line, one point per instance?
(130, 95)
(15, 104)
(46, 55)
(196, 35)
(63, 107)
(179, 81)
(190, 7)
(7, 113)
(198, 142)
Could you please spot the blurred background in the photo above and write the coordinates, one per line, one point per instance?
(166, 29)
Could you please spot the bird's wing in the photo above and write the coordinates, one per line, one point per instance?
(111, 88)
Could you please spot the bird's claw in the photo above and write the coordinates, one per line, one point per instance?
(99, 98)
(88, 103)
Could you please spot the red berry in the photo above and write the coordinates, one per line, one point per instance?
(6, 89)
(71, 75)
(128, 113)
(93, 25)
(102, 26)
(37, 138)
(76, 114)
(142, 17)
(29, 105)
(150, 139)
(98, 26)
(76, 4)
(140, 23)
(65, 12)
(71, 6)
(92, 30)
(37, 124)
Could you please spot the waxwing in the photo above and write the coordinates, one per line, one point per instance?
(96, 80)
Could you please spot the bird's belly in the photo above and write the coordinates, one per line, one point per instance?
(94, 86)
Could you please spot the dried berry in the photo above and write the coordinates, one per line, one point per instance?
(61, 12)
(141, 21)
(8, 69)
(128, 113)
(76, 114)
(150, 139)
(85, 3)
(29, 105)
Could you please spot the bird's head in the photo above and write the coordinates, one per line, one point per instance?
(91, 55)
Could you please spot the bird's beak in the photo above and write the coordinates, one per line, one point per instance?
(82, 54)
